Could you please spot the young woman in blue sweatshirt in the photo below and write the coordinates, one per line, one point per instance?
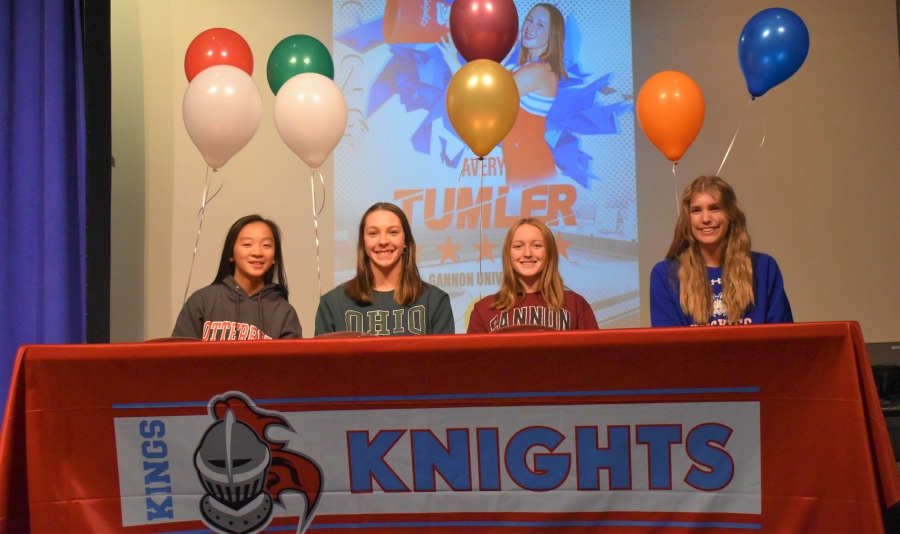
(710, 272)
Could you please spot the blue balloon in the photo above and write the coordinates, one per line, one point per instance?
(773, 46)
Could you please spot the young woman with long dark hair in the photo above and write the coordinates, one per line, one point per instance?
(248, 298)
(387, 297)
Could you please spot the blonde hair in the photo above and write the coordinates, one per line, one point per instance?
(552, 288)
(737, 271)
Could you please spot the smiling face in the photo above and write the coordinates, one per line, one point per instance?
(536, 30)
(384, 241)
(709, 224)
(528, 256)
(254, 253)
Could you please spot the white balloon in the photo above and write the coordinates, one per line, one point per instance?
(310, 116)
(222, 110)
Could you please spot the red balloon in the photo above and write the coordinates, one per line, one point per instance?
(217, 46)
(484, 29)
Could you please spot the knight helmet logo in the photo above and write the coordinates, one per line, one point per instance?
(244, 472)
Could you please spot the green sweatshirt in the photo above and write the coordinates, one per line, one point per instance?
(430, 314)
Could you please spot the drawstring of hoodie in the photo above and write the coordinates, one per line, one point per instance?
(259, 308)
(259, 316)
(237, 305)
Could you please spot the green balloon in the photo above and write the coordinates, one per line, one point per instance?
(295, 55)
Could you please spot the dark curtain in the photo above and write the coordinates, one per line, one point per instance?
(42, 178)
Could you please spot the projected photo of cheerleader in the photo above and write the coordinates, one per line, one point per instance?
(537, 72)
(569, 159)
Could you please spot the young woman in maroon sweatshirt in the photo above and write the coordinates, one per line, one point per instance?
(532, 291)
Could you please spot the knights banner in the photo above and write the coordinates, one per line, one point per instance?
(249, 466)
(671, 429)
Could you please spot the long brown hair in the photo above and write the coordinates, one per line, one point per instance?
(226, 263)
(737, 270)
(410, 287)
(556, 41)
(552, 288)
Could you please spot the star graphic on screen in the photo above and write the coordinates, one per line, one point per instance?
(448, 251)
(562, 245)
(485, 249)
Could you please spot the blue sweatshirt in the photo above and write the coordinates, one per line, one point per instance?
(771, 306)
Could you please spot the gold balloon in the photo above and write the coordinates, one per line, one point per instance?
(482, 104)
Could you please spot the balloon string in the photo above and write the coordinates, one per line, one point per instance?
(200, 214)
(675, 186)
(480, 225)
(754, 168)
(744, 116)
(764, 129)
(324, 192)
(458, 182)
(312, 186)
(222, 184)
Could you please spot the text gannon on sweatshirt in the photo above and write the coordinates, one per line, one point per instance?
(532, 291)
(710, 272)
(387, 297)
(244, 302)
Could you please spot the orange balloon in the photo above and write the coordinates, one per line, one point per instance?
(482, 104)
(670, 110)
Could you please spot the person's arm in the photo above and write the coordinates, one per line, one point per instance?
(779, 308)
(536, 78)
(665, 305)
(324, 318)
(190, 319)
(291, 328)
(514, 48)
(441, 316)
(477, 323)
(586, 319)
(451, 55)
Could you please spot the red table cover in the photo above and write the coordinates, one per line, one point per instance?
(775, 428)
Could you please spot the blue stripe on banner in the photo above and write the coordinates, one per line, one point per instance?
(511, 524)
(556, 524)
(454, 396)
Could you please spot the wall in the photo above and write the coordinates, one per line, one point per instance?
(820, 194)
(159, 174)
